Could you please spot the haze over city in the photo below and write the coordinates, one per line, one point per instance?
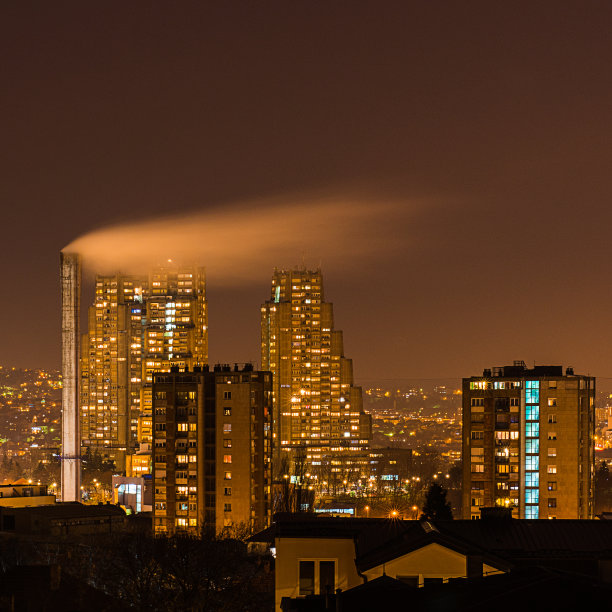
(448, 171)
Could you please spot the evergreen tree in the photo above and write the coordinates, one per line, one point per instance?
(436, 507)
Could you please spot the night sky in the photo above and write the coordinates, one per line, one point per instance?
(455, 157)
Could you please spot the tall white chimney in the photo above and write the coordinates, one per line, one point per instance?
(70, 264)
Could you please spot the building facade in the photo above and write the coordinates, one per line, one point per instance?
(317, 408)
(212, 438)
(137, 325)
(528, 442)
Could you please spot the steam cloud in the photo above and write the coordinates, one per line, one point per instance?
(243, 243)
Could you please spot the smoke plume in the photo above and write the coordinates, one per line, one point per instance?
(244, 242)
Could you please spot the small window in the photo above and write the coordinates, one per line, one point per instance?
(227, 507)
(552, 452)
(552, 469)
(552, 384)
(227, 428)
(227, 395)
(227, 412)
(227, 476)
(552, 418)
(552, 435)
(477, 435)
(227, 443)
(477, 401)
(306, 577)
(227, 491)
(552, 401)
(412, 581)
(552, 485)
(327, 577)
(515, 401)
(477, 467)
(552, 502)
(227, 458)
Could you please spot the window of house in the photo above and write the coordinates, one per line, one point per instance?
(552, 435)
(552, 418)
(227, 476)
(412, 581)
(227, 507)
(552, 485)
(477, 401)
(552, 502)
(307, 577)
(227, 395)
(227, 490)
(477, 467)
(477, 435)
(227, 412)
(552, 401)
(227, 443)
(227, 428)
(552, 469)
(515, 401)
(327, 577)
(227, 458)
(552, 452)
(552, 384)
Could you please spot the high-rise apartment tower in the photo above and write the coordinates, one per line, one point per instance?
(317, 408)
(137, 325)
(212, 450)
(528, 442)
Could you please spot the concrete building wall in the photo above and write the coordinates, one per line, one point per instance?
(533, 456)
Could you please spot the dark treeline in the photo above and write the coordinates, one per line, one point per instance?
(141, 572)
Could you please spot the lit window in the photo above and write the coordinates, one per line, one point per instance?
(227, 458)
(227, 476)
(552, 469)
(227, 428)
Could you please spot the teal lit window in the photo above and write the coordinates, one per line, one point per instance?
(532, 496)
(532, 384)
(532, 396)
(532, 413)
(532, 445)
(532, 430)
(531, 512)
(532, 462)
(532, 479)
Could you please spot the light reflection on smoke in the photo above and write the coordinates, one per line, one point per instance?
(245, 241)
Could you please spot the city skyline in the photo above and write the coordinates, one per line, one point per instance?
(473, 138)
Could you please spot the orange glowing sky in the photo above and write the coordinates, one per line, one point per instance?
(448, 165)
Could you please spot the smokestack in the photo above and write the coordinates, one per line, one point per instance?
(70, 272)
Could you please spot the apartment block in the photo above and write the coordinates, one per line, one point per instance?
(317, 407)
(528, 442)
(137, 325)
(212, 440)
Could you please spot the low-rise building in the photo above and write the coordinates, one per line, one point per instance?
(317, 555)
